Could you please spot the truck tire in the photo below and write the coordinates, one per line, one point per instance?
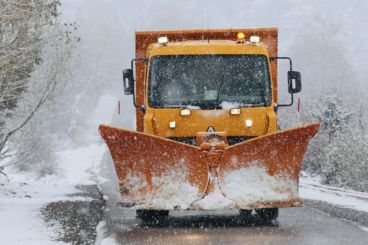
(268, 214)
(151, 215)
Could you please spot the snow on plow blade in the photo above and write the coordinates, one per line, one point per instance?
(264, 172)
(157, 173)
(154, 172)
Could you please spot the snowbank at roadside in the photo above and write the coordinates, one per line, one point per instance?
(102, 238)
(310, 188)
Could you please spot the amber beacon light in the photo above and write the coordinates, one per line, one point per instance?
(240, 36)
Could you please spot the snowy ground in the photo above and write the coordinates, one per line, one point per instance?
(310, 188)
(338, 202)
(23, 196)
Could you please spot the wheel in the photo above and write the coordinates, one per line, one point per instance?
(151, 215)
(245, 212)
(268, 214)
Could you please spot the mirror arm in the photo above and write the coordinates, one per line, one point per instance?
(290, 104)
(283, 58)
(143, 109)
(145, 60)
(291, 68)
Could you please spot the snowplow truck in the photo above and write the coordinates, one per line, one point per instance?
(206, 115)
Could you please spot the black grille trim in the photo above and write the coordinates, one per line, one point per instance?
(232, 140)
(185, 140)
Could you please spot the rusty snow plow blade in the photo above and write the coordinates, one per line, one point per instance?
(264, 172)
(157, 173)
(154, 172)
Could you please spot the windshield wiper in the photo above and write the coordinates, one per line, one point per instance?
(218, 92)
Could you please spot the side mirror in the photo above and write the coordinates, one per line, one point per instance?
(294, 82)
(128, 81)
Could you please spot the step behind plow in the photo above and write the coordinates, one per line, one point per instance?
(157, 173)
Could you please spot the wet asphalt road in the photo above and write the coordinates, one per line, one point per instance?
(305, 225)
(294, 226)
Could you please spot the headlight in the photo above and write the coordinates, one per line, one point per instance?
(248, 122)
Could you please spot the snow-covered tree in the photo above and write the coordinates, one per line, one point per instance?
(339, 152)
(21, 27)
(35, 50)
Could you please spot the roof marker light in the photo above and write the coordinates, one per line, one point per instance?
(163, 41)
(254, 39)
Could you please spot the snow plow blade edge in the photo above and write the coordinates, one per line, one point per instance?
(158, 173)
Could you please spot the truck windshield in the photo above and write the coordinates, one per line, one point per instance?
(209, 81)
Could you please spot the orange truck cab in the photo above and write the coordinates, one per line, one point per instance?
(214, 80)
